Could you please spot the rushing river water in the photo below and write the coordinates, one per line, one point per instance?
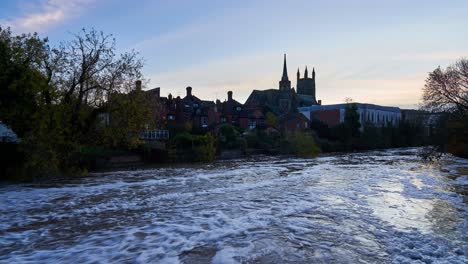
(373, 207)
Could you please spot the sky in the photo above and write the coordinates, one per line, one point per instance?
(373, 51)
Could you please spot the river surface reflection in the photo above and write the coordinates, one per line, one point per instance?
(371, 207)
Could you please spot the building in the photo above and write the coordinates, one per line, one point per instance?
(294, 108)
(285, 99)
(293, 122)
(333, 115)
(422, 118)
(230, 110)
(306, 88)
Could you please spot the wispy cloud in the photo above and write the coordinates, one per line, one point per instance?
(46, 14)
(432, 56)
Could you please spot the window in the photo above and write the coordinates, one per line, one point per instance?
(171, 117)
(238, 108)
(195, 105)
(162, 134)
(252, 124)
(204, 121)
(223, 120)
(155, 134)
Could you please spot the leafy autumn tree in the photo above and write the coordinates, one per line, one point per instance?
(129, 114)
(53, 97)
(21, 81)
(303, 145)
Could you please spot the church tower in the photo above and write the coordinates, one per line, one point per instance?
(306, 88)
(285, 84)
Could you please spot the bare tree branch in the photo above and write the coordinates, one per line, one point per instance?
(447, 90)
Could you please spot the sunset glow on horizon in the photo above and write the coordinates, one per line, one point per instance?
(371, 51)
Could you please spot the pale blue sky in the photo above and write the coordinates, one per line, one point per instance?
(372, 51)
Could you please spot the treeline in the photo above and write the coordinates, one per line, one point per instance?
(192, 145)
(352, 135)
(187, 145)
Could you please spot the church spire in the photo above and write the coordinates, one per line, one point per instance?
(285, 70)
(298, 74)
(306, 73)
(313, 73)
(285, 84)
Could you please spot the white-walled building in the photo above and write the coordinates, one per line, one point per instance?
(368, 113)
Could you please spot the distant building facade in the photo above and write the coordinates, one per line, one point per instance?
(418, 117)
(368, 114)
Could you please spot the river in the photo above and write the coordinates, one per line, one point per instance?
(370, 207)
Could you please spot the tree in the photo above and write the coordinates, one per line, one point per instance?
(348, 100)
(351, 119)
(86, 71)
(130, 114)
(230, 138)
(21, 81)
(52, 97)
(447, 90)
(187, 147)
(301, 144)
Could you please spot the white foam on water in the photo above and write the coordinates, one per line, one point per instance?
(379, 206)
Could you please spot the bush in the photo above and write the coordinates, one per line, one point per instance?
(230, 138)
(299, 144)
(187, 147)
(260, 139)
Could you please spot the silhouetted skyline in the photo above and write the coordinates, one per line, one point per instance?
(374, 52)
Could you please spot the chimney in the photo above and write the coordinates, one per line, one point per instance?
(138, 85)
(189, 91)
(230, 96)
(320, 102)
